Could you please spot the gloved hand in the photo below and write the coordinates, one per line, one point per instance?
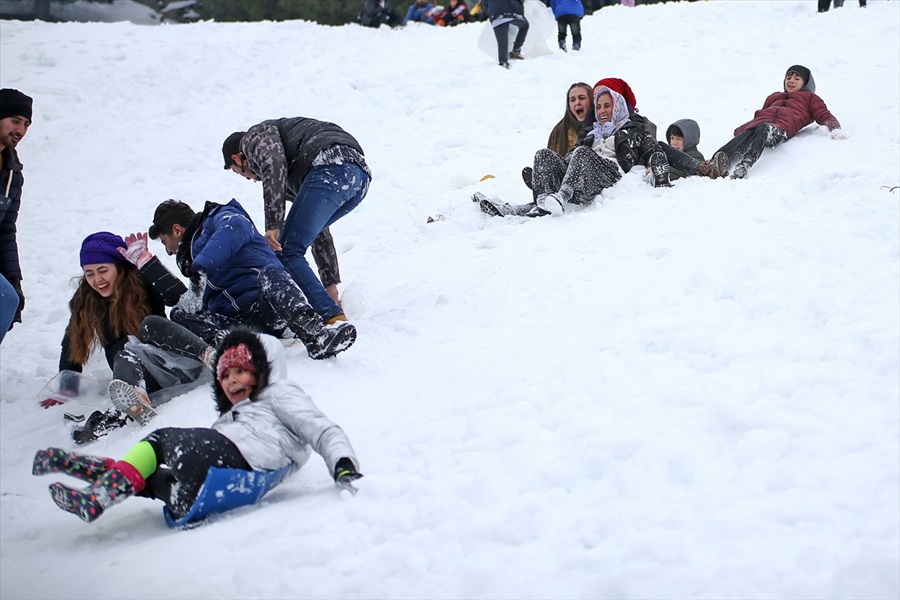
(839, 134)
(345, 474)
(48, 402)
(136, 253)
(17, 285)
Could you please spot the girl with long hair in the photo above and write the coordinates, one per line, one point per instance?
(122, 294)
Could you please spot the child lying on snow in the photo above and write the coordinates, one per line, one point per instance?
(783, 114)
(267, 422)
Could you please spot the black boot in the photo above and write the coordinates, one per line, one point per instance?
(659, 170)
(98, 425)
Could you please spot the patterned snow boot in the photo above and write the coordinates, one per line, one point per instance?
(109, 489)
(80, 466)
(551, 204)
(132, 401)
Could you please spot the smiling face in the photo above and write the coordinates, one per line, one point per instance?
(12, 130)
(676, 141)
(604, 108)
(793, 82)
(102, 278)
(238, 384)
(579, 102)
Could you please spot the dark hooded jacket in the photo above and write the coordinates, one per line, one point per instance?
(690, 132)
(11, 183)
(792, 111)
(633, 141)
(278, 425)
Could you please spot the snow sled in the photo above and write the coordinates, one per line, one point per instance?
(224, 490)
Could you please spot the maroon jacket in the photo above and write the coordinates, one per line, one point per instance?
(792, 112)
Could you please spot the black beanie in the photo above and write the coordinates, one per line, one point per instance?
(14, 103)
(802, 72)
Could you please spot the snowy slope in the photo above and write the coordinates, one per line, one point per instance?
(684, 392)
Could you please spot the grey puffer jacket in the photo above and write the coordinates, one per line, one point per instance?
(282, 426)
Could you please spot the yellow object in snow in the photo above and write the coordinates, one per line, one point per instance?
(486, 177)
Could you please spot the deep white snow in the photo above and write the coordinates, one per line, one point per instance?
(672, 393)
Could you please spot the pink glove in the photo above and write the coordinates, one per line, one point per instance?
(136, 253)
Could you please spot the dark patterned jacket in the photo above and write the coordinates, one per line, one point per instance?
(11, 182)
(634, 142)
(163, 289)
(281, 152)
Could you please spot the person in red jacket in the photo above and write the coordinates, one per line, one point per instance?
(783, 114)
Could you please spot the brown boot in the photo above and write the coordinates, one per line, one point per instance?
(714, 168)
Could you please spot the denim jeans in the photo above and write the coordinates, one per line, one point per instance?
(9, 304)
(328, 192)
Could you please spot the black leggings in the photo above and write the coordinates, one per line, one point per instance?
(187, 455)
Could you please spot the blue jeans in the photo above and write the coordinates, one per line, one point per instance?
(328, 192)
(9, 304)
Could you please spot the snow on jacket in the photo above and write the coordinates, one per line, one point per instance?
(163, 289)
(11, 182)
(223, 243)
(633, 142)
(282, 151)
(282, 425)
(562, 8)
(792, 111)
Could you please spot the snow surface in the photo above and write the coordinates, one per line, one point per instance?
(685, 392)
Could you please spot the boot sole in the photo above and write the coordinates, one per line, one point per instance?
(343, 340)
(125, 399)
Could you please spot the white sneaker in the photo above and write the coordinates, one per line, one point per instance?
(131, 401)
(551, 203)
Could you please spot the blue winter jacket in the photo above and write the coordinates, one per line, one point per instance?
(562, 8)
(227, 247)
(419, 13)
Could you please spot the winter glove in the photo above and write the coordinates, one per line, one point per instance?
(839, 134)
(136, 253)
(345, 474)
(17, 285)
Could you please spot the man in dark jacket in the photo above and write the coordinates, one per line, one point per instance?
(245, 283)
(15, 119)
(321, 168)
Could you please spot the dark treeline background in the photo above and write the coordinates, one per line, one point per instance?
(325, 12)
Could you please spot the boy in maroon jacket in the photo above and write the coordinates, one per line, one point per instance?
(783, 114)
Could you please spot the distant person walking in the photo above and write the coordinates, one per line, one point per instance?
(503, 14)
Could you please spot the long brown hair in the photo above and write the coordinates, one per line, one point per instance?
(560, 138)
(128, 305)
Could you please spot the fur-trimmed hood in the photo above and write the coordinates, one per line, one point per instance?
(268, 358)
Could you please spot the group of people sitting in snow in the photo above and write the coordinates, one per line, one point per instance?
(602, 136)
